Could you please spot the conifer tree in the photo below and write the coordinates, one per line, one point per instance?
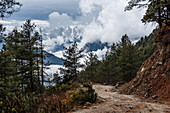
(91, 65)
(124, 41)
(7, 7)
(157, 10)
(41, 59)
(128, 60)
(72, 63)
(92, 59)
(22, 55)
(2, 29)
(31, 38)
(9, 78)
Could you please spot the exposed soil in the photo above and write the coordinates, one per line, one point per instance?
(113, 102)
(152, 82)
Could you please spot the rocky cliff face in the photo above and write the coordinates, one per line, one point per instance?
(153, 78)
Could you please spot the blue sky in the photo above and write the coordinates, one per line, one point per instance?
(40, 9)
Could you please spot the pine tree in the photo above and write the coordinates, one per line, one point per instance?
(22, 55)
(71, 63)
(127, 61)
(91, 65)
(9, 77)
(157, 10)
(42, 59)
(31, 55)
(92, 59)
(2, 29)
(7, 7)
(124, 40)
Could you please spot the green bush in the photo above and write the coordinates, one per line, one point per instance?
(64, 87)
(81, 96)
(91, 96)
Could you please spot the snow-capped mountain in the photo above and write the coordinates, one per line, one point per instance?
(51, 59)
(94, 46)
(56, 39)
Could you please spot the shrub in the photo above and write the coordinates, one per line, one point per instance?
(53, 104)
(64, 87)
(81, 96)
(51, 100)
(91, 96)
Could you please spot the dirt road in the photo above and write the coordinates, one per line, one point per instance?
(120, 103)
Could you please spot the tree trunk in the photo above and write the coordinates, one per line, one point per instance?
(42, 62)
(159, 15)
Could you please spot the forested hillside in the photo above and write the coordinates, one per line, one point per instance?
(146, 46)
(121, 62)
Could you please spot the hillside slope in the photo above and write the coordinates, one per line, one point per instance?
(51, 59)
(153, 78)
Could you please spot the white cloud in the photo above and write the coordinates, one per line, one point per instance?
(86, 6)
(59, 54)
(11, 24)
(41, 23)
(101, 53)
(59, 20)
(112, 22)
(60, 40)
(51, 70)
(50, 44)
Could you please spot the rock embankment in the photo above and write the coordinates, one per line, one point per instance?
(153, 78)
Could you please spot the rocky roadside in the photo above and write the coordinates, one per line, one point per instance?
(114, 102)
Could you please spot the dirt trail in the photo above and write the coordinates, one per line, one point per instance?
(120, 103)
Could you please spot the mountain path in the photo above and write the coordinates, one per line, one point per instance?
(120, 103)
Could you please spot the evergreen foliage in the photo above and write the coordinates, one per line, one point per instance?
(120, 63)
(157, 10)
(20, 65)
(128, 62)
(91, 63)
(71, 63)
(7, 7)
(146, 46)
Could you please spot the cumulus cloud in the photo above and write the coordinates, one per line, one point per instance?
(60, 40)
(112, 22)
(101, 53)
(11, 24)
(59, 20)
(50, 70)
(50, 44)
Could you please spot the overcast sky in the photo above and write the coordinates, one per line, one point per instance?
(104, 20)
(40, 9)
